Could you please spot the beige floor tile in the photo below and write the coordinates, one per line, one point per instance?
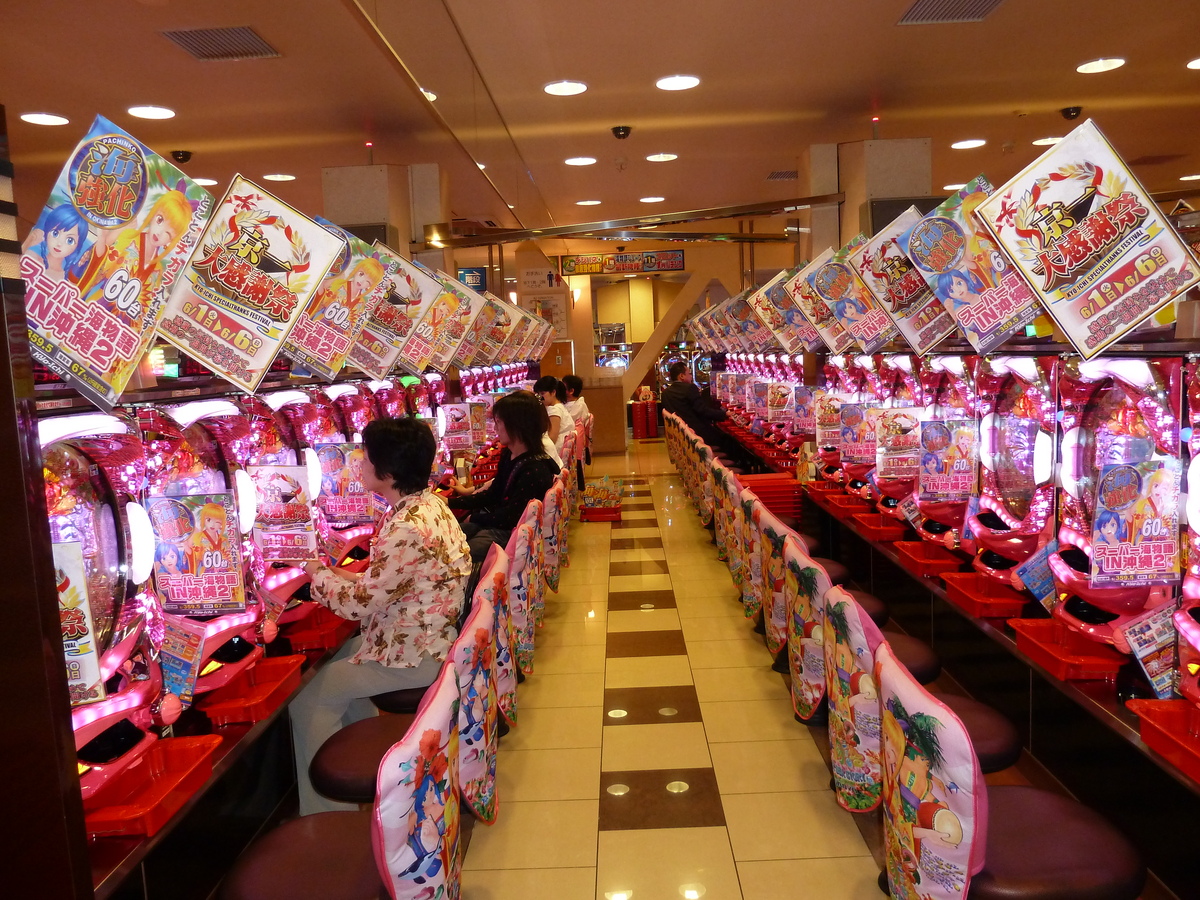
(559, 659)
(681, 746)
(646, 671)
(574, 575)
(751, 720)
(548, 774)
(645, 554)
(555, 728)
(596, 592)
(643, 620)
(582, 613)
(795, 825)
(638, 532)
(735, 653)
(755, 767)
(847, 878)
(721, 628)
(639, 582)
(658, 863)
(545, 691)
(697, 600)
(514, 841)
(528, 884)
(570, 634)
(697, 570)
(759, 683)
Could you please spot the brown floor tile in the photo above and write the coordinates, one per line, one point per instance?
(648, 803)
(645, 643)
(644, 567)
(638, 543)
(635, 523)
(642, 705)
(636, 480)
(624, 600)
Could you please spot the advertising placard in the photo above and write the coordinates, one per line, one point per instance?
(283, 527)
(378, 345)
(1152, 638)
(100, 261)
(342, 305)
(1086, 235)
(839, 286)
(479, 341)
(892, 279)
(1135, 528)
(975, 280)
(180, 656)
(804, 409)
(197, 554)
(829, 420)
(857, 432)
(773, 304)
(623, 263)
(252, 274)
(949, 460)
(454, 426)
(446, 313)
(779, 402)
(809, 302)
(344, 498)
(897, 440)
(78, 630)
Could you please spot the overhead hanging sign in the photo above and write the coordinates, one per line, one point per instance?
(1090, 240)
(839, 286)
(621, 263)
(774, 305)
(340, 309)
(892, 279)
(809, 302)
(102, 257)
(446, 312)
(252, 274)
(972, 276)
(378, 345)
(474, 277)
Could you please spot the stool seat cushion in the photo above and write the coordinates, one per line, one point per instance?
(811, 544)
(994, 737)
(403, 701)
(837, 572)
(326, 856)
(872, 606)
(1041, 846)
(346, 765)
(916, 656)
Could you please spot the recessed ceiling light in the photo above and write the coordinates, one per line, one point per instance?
(953, 187)
(580, 161)
(428, 94)
(1105, 64)
(481, 165)
(565, 88)
(631, 276)
(151, 112)
(968, 145)
(587, 202)
(661, 157)
(1190, 178)
(279, 176)
(677, 82)
(44, 119)
(510, 206)
(207, 182)
(653, 199)
(1194, 64)
(1046, 141)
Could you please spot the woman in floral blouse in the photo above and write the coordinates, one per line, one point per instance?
(408, 598)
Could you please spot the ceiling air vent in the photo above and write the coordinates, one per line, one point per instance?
(941, 12)
(783, 175)
(222, 43)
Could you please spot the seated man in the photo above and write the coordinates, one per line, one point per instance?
(698, 411)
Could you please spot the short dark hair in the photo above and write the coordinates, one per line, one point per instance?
(524, 418)
(402, 450)
(550, 383)
(677, 369)
(574, 384)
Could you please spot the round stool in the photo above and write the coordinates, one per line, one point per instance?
(995, 739)
(811, 544)
(346, 765)
(916, 656)
(872, 606)
(837, 572)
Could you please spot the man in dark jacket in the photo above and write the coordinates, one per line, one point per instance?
(683, 398)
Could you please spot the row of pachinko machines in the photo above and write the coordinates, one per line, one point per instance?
(179, 533)
(1068, 485)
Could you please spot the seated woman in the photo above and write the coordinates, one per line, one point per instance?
(408, 597)
(525, 473)
(554, 395)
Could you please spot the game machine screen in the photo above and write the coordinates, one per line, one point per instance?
(1119, 505)
(898, 430)
(949, 451)
(94, 467)
(702, 369)
(844, 382)
(1018, 408)
(391, 401)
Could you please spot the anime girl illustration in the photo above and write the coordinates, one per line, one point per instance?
(208, 547)
(169, 559)
(855, 752)
(348, 291)
(849, 310)
(775, 612)
(61, 241)
(1110, 528)
(959, 289)
(806, 638)
(1155, 505)
(931, 465)
(431, 817)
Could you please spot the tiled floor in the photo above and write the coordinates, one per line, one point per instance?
(656, 755)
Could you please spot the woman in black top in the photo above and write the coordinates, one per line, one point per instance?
(525, 473)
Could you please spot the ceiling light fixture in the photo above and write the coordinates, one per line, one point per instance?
(580, 161)
(653, 199)
(428, 94)
(677, 82)
(968, 145)
(279, 176)
(207, 182)
(44, 119)
(587, 202)
(481, 165)
(1190, 178)
(1046, 141)
(151, 112)
(511, 206)
(565, 88)
(1104, 64)
(1194, 64)
(953, 187)
(662, 157)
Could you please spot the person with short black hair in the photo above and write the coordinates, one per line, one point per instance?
(575, 404)
(408, 597)
(525, 472)
(552, 392)
(698, 412)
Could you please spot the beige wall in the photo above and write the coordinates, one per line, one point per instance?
(612, 305)
(664, 293)
(641, 310)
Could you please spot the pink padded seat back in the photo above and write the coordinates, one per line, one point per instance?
(804, 587)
